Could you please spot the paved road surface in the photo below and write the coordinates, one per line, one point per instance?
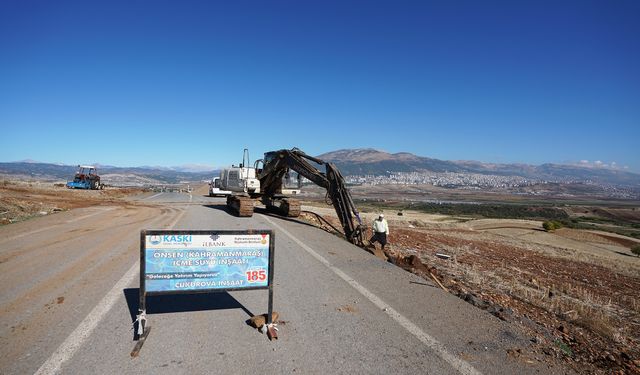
(70, 294)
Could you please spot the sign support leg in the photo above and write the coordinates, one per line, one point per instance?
(140, 342)
(270, 308)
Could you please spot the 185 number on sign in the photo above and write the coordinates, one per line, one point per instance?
(256, 275)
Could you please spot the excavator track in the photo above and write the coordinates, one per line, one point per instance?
(293, 207)
(241, 206)
(288, 207)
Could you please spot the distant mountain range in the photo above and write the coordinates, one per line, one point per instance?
(374, 162)
(350, 162)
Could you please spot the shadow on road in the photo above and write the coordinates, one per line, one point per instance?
(221, 207)
(182, 302)
(259, 210)
(425, 284)
(266, 212)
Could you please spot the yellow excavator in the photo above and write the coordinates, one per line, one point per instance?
(277, 177)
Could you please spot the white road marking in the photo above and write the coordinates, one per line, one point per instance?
(153, 196)
(86, 327)
(77, 338)
(458, 364)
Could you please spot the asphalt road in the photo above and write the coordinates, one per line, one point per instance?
(70, 295)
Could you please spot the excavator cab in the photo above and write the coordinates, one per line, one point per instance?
(291, 183)
(291, 180)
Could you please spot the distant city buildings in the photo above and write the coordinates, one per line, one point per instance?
(476, 181)
(446, 179)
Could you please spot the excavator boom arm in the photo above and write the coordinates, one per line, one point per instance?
(278, 163)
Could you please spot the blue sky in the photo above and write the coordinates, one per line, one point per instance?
(194, 82)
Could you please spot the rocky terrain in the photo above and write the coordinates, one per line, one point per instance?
(575, 292)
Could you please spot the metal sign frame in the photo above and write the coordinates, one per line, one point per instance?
(143, 292)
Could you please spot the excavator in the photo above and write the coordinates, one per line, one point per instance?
(272, 181)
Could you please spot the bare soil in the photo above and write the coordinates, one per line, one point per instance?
(20, 201)
(575, 292)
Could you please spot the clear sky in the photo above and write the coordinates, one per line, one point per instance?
(194, 82)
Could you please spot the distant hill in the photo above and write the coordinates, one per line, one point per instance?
(369, 161)
(374, 162)
(109, 174)
(350, 161)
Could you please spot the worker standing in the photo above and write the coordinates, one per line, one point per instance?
(380, 231)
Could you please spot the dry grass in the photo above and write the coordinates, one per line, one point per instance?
(605, 316)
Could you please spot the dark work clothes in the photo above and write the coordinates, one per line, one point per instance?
(380, 237)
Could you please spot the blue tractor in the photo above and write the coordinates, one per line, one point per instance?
(86, 178)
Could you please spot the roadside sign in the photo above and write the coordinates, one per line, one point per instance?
(203, 261)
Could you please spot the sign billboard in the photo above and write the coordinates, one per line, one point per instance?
(194, 261)
(203, 261)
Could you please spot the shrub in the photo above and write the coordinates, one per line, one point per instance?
(551, 225)
(636, 250)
